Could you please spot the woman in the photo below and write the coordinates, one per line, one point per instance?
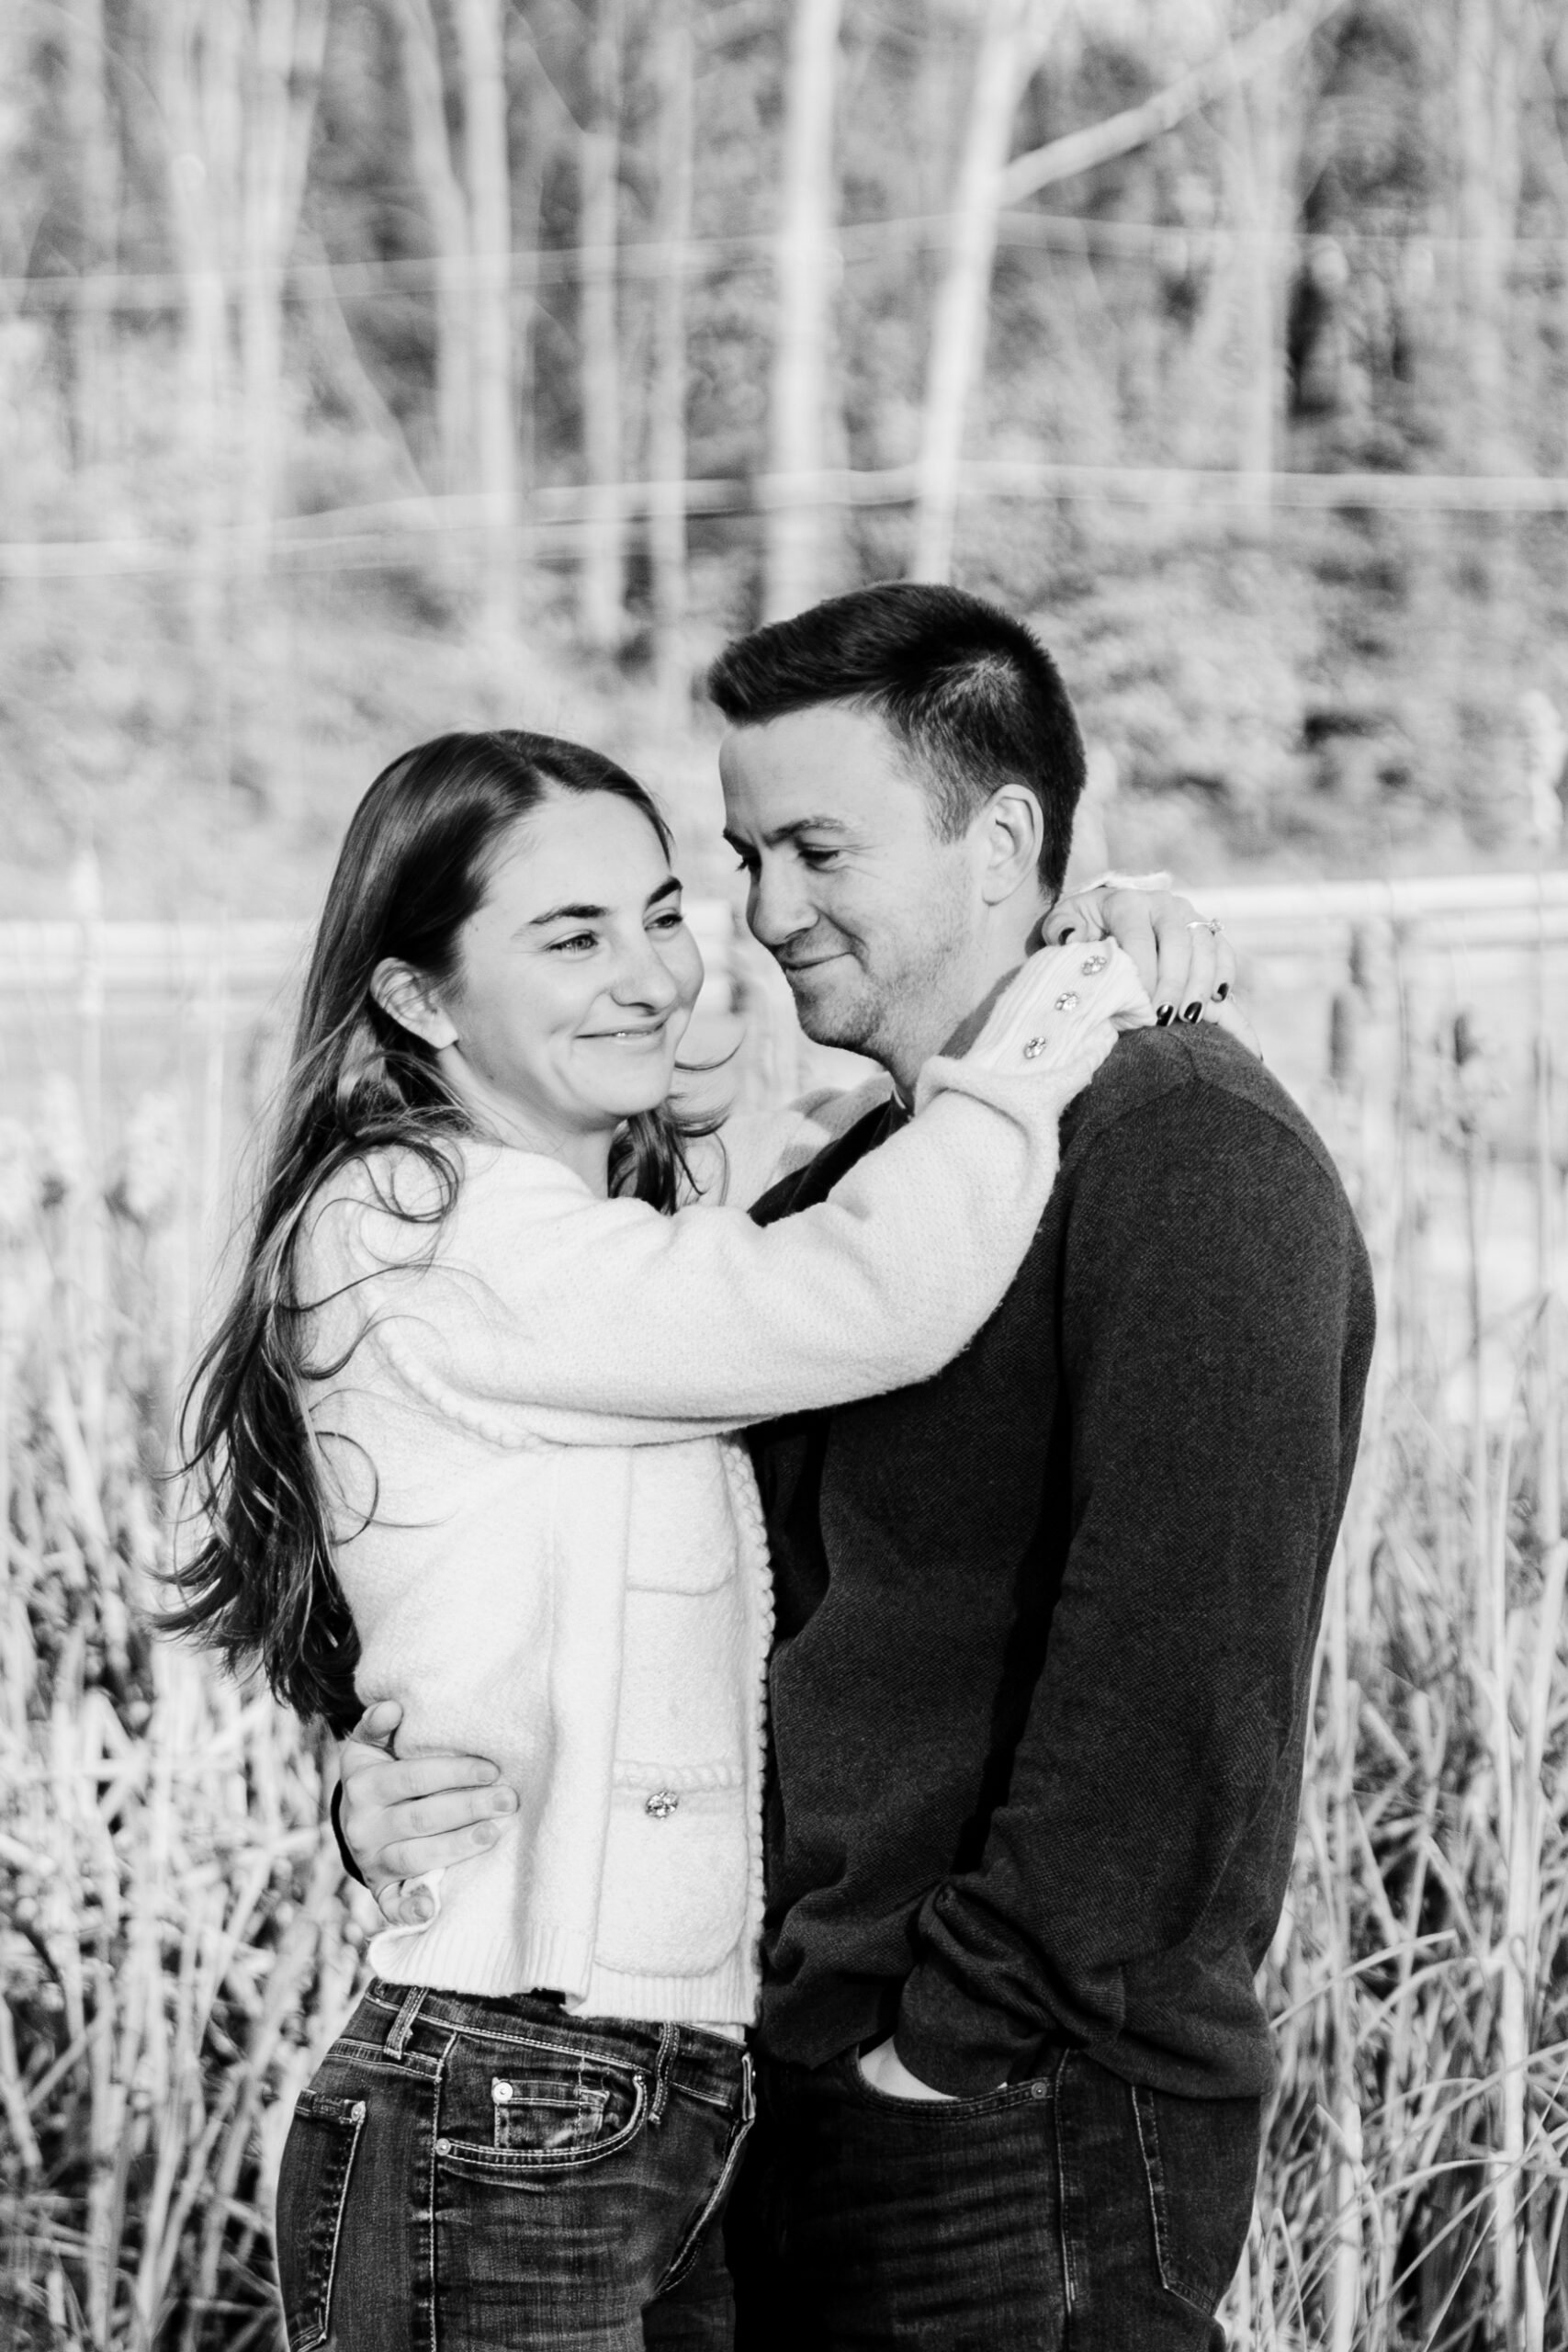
(464, 1437)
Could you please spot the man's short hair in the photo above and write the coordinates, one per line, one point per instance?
(971, 693)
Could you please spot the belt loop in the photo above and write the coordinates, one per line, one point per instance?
(748, 2088)
(403, 2024)
(669, 2043)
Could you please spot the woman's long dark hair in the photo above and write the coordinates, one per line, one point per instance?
(260, 1587)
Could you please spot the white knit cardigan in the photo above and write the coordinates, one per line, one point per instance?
(551, 1544)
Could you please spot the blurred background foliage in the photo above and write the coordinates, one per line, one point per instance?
(371, 367)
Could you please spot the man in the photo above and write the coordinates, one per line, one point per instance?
(1045, 1623)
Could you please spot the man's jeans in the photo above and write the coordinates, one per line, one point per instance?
(1068, 2214)
(465, 2173)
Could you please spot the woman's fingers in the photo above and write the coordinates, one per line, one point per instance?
(1200, 972)
(1225, 967)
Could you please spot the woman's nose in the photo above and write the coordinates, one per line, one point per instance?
(646, 979)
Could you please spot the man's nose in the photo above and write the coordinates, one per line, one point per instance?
(777, 907)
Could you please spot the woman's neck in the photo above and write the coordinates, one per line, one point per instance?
(585, 1151)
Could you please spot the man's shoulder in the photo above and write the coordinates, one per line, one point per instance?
(1199, 1086)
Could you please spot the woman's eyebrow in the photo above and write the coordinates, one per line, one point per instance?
(668, 888)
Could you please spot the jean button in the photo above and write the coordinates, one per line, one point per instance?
(1039, 2090)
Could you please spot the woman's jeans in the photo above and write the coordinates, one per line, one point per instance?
(467, 2173)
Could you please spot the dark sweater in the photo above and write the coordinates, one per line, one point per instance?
(1047, 1622)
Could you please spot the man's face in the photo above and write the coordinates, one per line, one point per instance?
(872, 919)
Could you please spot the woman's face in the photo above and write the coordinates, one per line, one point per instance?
(576, 975)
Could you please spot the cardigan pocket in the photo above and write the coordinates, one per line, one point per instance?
(682, 1536)
(677, 1869)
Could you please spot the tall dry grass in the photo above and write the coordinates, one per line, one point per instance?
(175, 1946)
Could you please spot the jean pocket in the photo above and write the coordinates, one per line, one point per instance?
(977, 2104)
(1200, 2162)
(312, 2191)
(548, 2112)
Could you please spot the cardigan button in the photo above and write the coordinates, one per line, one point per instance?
(661, 1804)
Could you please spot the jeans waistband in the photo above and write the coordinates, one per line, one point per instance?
(399, 2019)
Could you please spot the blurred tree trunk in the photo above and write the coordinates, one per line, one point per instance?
(1261, 171)
(602, 583)
(1011, 35)
(479, 25)
(795, 562)
(441, 188)
(282, 79)
(93, 157)
(1488, 148)
(197, 66)
(666, 418)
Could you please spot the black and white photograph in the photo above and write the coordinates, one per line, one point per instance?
(783, 1175)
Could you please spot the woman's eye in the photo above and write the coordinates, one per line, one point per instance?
(579, 942)
(672, 921)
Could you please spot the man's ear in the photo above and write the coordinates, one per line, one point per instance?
(1013, 833)
(408, 996)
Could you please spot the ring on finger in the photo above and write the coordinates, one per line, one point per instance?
(1210, 924)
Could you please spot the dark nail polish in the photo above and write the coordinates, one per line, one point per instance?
(1222, 991)
(1164, 1015)
(1191, 1012)
(1062, 936)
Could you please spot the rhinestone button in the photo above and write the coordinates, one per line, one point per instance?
(1093, 964)
(1034, 1048)
(1066, 1003)
(661, 1804)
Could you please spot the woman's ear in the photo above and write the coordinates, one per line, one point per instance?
(1014, 833)
(410, 1000)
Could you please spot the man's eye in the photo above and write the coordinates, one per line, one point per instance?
(819, 858)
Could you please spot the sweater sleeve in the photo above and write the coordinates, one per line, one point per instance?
(604, 1322)
(1206, 1296)
(755, 1150)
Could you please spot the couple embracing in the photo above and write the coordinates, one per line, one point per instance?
(834, 1597)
